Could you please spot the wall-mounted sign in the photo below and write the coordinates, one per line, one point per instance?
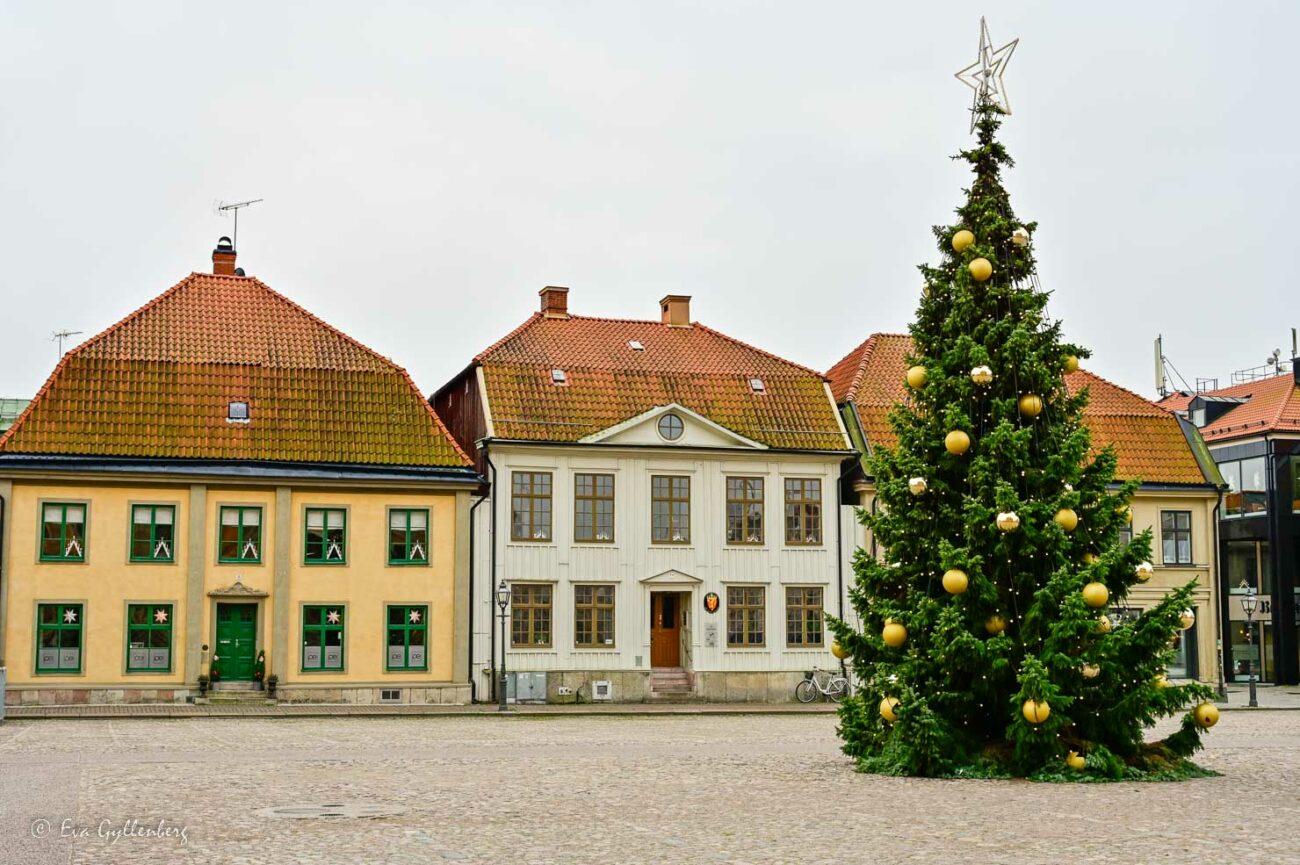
(711, 602)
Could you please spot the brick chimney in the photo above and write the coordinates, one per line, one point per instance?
(223, 258)
(675, 310)
(555, 301)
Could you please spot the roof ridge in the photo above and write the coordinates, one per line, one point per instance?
(863, 351)
(528, 322)
(767, 354)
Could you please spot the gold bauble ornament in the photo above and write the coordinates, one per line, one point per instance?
(1090, 671)
(981, 375)
(1125, 512)
(1035, 711)
(995, 624)
(917, 486)
(981, 269)
(1143, 571)
(1103, 625)
(838, 650)
(916, 377)
(1075, 761)
(889, 709)
(957, 442)
(893, 634)
(1071, 363)
(1090, 558)
(1020, 237)
(1161, 681)
(1008, 521)
(1206, 714)
(1187, 619)
(1067, 519)
(961, 240)
(1095, 595)
(955, 581)
(1030, 405)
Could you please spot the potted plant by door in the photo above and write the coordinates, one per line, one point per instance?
(272, 682)
(204, 681)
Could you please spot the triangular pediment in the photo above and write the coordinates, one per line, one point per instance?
(671, 577)
(696, 431)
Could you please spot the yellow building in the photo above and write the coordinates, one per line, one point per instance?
(221, 486)
(1177, 498)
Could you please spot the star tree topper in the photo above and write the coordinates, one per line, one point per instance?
(984, 76)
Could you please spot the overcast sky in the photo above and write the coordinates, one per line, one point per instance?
(428, 167)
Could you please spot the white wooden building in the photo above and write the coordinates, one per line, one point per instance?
(664, 505)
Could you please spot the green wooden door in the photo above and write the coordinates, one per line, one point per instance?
(236, 641)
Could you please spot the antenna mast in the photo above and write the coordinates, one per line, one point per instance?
(60, 335)
(223, 207)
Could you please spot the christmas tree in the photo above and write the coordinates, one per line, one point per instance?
(986, 649)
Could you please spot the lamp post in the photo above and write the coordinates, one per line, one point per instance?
(503, 601)
(1249, 604)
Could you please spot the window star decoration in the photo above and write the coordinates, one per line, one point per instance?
(984, 76)
(161, 550)
(70, 616)
(160, 616)
(415, 617)
(73, 549)
(332, 617)
(334, 551)
(417, 551)
(250, 550)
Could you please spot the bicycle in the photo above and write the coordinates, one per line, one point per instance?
(832, 686)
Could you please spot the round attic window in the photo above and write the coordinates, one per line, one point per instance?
(671, 427)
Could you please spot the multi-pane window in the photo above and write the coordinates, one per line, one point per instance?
(322, 637)
(744, 510)
(803, 616)
(593, 616)
(803, 511)
(241, 534)
(1249, 565)
(530, 506)
(1126, 532)
(63, 532)
(530, 616)
(670, 509)
(746, 612)
(58, 638)
(407, 637)
(1247, 487)
(1295, 485)
(153, 533)
(593, 508)
(408, 536)
(1176, 537)
(325, 539)
(148, 638)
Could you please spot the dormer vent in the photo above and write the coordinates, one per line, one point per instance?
(757, 386)
(237, 412)
(558, 376)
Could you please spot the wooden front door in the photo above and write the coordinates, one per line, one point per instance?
(665, 629)
(236, 651)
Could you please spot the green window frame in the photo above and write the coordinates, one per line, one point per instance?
(153, 533)
(325, 536)
(148, 638)
(408, 536)
(59, 643)
(239, 533)
(322, 638)
(63, 531)
(407, 640)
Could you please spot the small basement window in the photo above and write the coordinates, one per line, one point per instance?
(757, 386)
(636, 345)
(390, 695)
(558, 377)
(237, 412)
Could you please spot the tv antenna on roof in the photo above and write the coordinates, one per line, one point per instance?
(223, 207)
(60, 335)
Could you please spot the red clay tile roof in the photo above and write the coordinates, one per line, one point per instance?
(1148, 440)
(609, 382)
(1272, 405)
(158, 384)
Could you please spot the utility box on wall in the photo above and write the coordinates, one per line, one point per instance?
(525, 687)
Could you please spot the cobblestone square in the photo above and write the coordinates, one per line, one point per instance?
(631, 789)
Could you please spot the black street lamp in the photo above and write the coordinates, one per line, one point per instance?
(1249, 604)
(503, 601)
